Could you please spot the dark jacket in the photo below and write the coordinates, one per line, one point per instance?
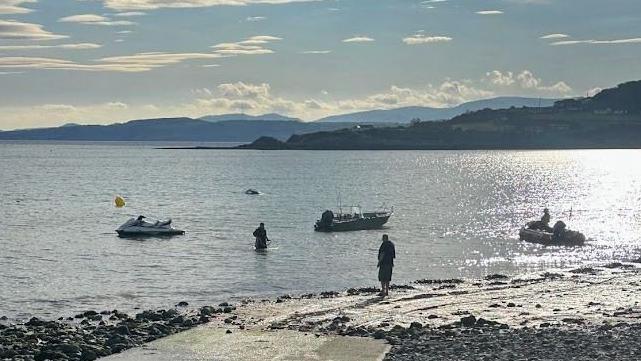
(386, 253)
(260, 234)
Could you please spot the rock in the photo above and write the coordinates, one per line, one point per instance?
(49, 355)
(511, 304)
(224, 304)
(496, 277)
(118, 347)
(416, 325)
(89, 313)
(68, 349)
(207, 311)
(122, 330)
(88, 355)
(379, 334)
(228, 332)
(178, 320)
(431, 317)
(182, 304)
(468, 321)
(34, 321)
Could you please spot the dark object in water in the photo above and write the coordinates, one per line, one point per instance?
(356, 221)
(252, 192)
(566, 238)
(260, 244)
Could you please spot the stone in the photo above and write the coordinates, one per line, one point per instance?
(468, 321)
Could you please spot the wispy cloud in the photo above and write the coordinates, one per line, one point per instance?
(255, 18)
(129, 63)
(129, 14)
(359, 39)
(158, 4)
(11, 29)
(490, 12)
(14, 6)
(554, 36)
(316, 52)
(598, 42)
(251, 46)
(78, 46)
(93, 19)
(420, 38)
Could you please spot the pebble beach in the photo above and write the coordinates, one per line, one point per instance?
(588, 313)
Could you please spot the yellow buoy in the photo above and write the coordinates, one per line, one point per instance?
(120, 202)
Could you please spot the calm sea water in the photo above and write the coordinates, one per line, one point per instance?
(457, 215)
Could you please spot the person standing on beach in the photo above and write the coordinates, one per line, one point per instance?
(386, 255)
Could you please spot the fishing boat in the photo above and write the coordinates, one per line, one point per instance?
(355, 220)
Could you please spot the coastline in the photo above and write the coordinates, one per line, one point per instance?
(583, 310)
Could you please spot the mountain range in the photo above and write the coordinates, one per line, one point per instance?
(247, 128)
(406, 114)
(610, 119)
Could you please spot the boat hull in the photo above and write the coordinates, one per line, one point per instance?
(570, 238)
(359, 224)
(149, 232)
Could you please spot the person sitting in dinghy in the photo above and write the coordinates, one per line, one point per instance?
(140, 220)
(543, 224)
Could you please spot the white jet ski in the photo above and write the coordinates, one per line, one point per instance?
(140, 227)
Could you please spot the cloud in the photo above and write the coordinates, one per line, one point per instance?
(525, 80)
(130, 14)
(598, 42)
(158, 4)
(130, 63)
(358, 39)
(78, 46)
(251, 46)
(14, 6)
(554, 36)
(255, 18)
(93, 19)
(316, 52)
(14, 30)
(490, 12)
(417, 39)
(499, 78)
(260, 98)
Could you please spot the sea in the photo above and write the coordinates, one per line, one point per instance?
(456, 214)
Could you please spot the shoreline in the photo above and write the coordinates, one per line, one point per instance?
(573, 304)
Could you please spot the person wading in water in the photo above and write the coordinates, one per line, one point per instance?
(261, 237)
(386, 255)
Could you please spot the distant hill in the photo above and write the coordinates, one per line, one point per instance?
(242, 116)
(406, 114)
(175, 129)
(610, 119)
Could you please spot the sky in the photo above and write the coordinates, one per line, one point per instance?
(106, 61)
